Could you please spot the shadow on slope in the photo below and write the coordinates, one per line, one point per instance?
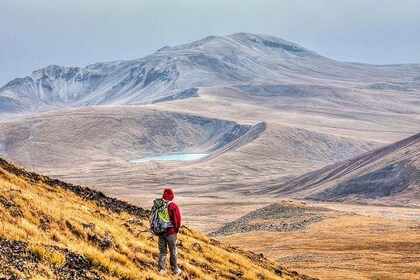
(382, 182)
(389, 175)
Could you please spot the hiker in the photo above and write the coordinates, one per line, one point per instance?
(168, 238)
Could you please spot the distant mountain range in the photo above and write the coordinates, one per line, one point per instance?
(239, 59)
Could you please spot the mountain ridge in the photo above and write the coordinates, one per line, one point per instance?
(239, 58)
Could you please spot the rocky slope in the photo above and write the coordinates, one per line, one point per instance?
(54, 229)
(278, 217)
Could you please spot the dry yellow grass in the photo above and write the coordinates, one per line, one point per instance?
(52, 257)
(344, 247)
(50, 218)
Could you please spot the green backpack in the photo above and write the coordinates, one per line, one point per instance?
(159, 217)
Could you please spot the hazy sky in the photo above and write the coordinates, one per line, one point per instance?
(34, 34)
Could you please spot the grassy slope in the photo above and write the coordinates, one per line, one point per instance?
(69, 231)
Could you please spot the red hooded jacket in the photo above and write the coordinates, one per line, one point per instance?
(174, 212)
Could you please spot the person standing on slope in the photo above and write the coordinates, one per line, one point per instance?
(169, 239)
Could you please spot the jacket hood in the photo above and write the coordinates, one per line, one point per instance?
(168, 194)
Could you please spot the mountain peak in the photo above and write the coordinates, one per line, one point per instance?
(237, 40)
(267, 41)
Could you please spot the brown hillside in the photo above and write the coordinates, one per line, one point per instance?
(50, 229)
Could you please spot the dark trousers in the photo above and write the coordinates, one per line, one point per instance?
(164, 242)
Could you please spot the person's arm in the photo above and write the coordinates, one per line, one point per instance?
(175, 216)
(178, 218)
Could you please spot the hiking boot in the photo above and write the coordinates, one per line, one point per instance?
(161, 272)
(177, 272)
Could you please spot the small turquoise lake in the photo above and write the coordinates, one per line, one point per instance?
(172, 157)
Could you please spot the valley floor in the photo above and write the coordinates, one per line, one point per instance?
(370, 242)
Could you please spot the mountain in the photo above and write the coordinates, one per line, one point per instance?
(55, 229)
(173, 73)
(389, 175)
